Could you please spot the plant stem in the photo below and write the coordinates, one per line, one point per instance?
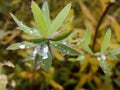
(99, 23)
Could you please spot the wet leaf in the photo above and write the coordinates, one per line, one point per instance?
(46, 14)
(104, 66)
(39, 19)
(81, 58)
(106, 41)
(21, 45)
(59, 19)
(47, 62)
(37, 62)
(26, 29)
(113, 52)
(64, 49)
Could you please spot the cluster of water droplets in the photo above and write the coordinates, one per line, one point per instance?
(31, 31)
(64, 51)
(41, 50)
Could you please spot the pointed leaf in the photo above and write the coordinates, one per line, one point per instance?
(113, 52)
(37, 62)
(39, 19)
(104, 66)
(47, 62)
(87, 48)
(26, 29)
(87, 37)
(46, 14)
(65, 49)
(106, 41)
(21, 45)
(61, 35)
(59, 20)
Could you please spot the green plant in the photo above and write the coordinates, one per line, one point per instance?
(46, 35)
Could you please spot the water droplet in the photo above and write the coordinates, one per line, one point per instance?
(45, 57)
(102, 57)
(55, 44)
(21, 46)
(45, 49)
(31, 31)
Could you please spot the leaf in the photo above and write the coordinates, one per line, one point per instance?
(47, 62)
(61, 36)
(59, 20)
(87, 48)
(21, 45)
(114, 52)
(37, 40)
(106, 41)
(28, 30)
(87, 37)
(80, 58)
(39, 19)
(104, 66)
(37, 61)
(65, 49)
(46, 14)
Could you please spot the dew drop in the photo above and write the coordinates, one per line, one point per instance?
(31, 31)
(45, 56)
(102, 57)
(21, 46)
(45, 49)
(55, 44)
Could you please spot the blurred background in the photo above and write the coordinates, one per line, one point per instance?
(16, 73)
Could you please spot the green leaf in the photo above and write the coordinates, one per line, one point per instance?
(21, 45)
(87, 48)
(56, 24)
(104, 66)
(87, 37)
(60, 36)
(47, 62)
(46, 14)
(39, 19)
(81, 58)
(65, 49)
(37, 40)
(37, 62)
(113, 52)
(26, 29)
(106, 41)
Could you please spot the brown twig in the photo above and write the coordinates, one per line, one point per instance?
(99, 23)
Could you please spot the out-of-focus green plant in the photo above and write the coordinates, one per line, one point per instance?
(46, 34)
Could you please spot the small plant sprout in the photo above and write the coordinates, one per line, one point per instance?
(46, 33)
